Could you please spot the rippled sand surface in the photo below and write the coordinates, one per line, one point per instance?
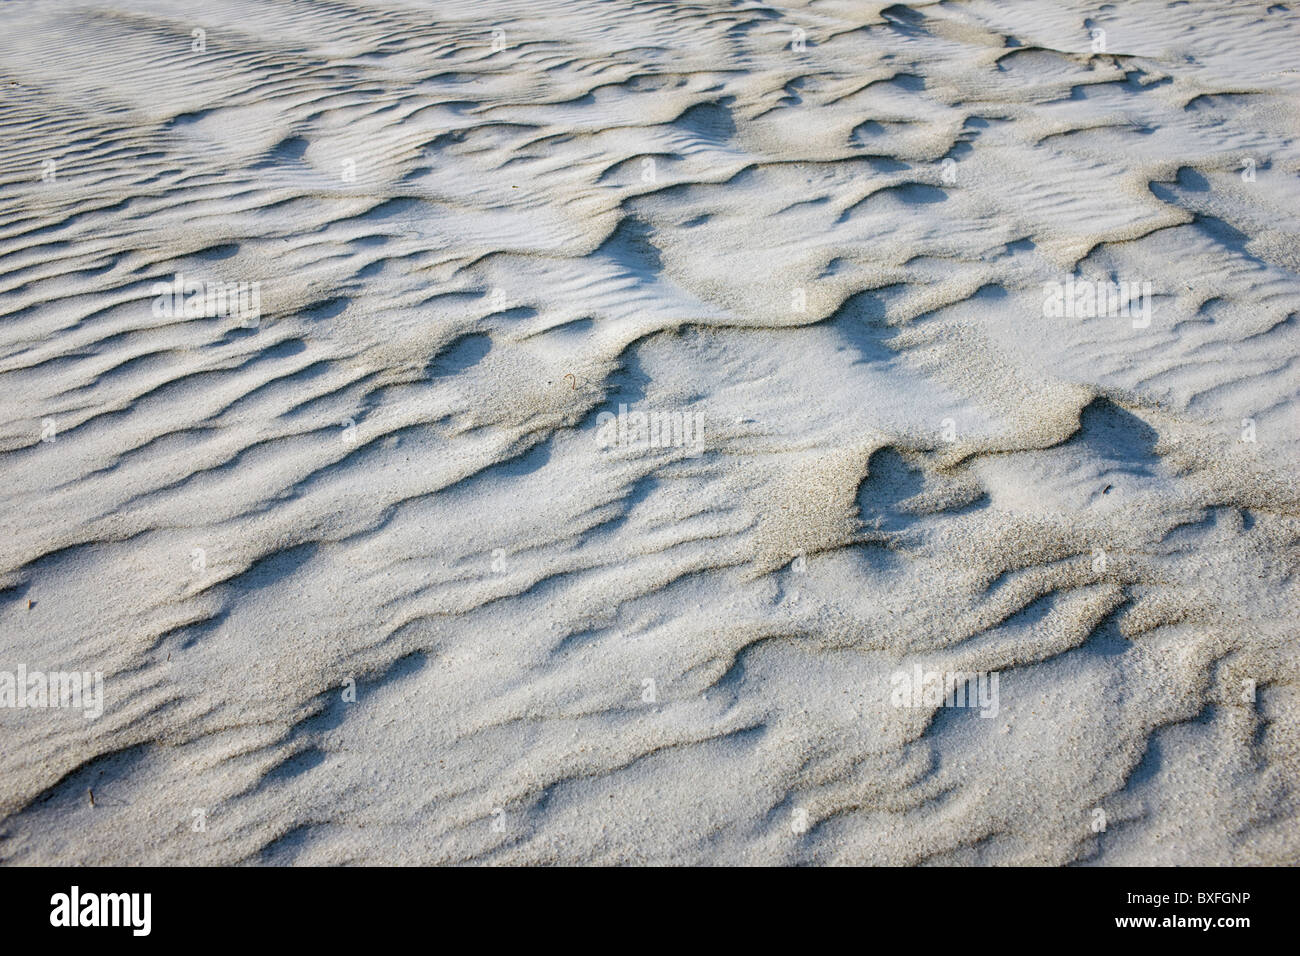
(385, 574)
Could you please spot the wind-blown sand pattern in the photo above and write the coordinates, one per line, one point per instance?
(478, 227)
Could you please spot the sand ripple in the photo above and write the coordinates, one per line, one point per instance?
(477, 232)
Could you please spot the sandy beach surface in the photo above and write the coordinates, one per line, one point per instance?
(714, 432)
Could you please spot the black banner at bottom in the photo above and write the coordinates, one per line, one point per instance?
(336, 906)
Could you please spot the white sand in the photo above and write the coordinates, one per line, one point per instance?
(392, 478)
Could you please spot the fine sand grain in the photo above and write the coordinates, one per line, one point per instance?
(379, 569)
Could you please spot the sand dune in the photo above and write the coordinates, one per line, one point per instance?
(377, 567)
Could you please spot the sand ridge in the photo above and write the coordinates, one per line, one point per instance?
(366, 586)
